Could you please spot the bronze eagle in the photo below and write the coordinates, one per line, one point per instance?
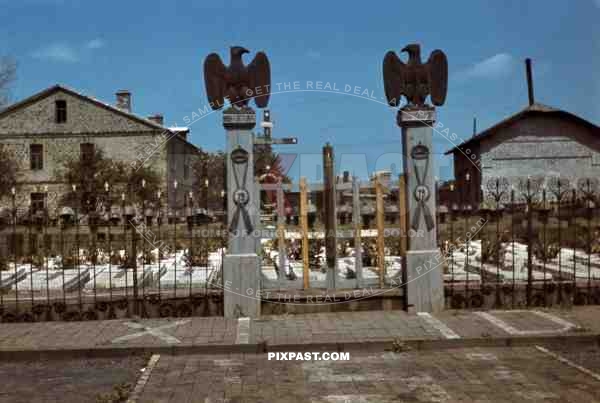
(237, 83)
(414, 79)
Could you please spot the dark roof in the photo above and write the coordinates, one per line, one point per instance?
(58, 87)
(531, 110)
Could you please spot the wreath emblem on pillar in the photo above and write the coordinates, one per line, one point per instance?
(422, 193)
(241, 196)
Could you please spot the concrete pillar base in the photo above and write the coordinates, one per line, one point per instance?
(425, 284)
(241, 283)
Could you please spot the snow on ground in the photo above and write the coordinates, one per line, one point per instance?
(514, 264)
(38, 279)
(318, 278)
(174, 271)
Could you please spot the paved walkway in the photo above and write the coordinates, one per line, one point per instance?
(73, 381)
(518, 374)
(343, 331)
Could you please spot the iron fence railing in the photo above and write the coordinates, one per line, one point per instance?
(140, 262)
(535, 243)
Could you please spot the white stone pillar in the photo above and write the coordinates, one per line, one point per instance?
(424, 288)
(241, 265)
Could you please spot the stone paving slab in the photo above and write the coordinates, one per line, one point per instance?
(585, 317)
(474, 324)
(341, 327)
(73, 381)
(326, 329)
(469, 375)
(527, 321)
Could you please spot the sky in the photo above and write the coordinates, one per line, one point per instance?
(156, 50)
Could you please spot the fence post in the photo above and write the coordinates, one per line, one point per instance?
(190, 223)
(124, 246)
(530, 245)
(174, 238)
(588, 200)
(512, 236)
(403, 234)
(574, 222)
(136, 307)
(79, 285)
(46, 251)
(356, 218)
(31, 246)
(14, 248)
(466, 211)
(281, 233)
(159, 219)
(546, 213)
(379, 211)
(304, 229)
(330, 215)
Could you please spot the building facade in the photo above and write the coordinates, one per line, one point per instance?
(539, 142)
(59, 124)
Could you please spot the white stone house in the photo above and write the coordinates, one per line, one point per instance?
(58, 123)
(538, 142)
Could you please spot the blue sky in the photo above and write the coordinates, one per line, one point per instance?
(156, 50)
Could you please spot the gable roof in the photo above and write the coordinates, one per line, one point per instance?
(58, 87)
(531, 110)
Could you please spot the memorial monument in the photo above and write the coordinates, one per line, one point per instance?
(239, 84)
(416, 81)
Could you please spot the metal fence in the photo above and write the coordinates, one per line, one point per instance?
(68, 264)
(367, 236)
(533, 243)
(119, 262)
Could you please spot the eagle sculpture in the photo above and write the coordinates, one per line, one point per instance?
(414, 79)
(237, 83)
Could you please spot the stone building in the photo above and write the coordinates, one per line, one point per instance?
(344, 201)
(43, 131)
(538, 142)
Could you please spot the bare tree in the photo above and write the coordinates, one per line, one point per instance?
(89, 174)
(211, 166)
(7, 164)
(8, 167)
(8, 69)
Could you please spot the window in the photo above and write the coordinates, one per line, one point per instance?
(36, 156)
(86, 151)
(33, 242)
(60, 111)
(38, 202)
